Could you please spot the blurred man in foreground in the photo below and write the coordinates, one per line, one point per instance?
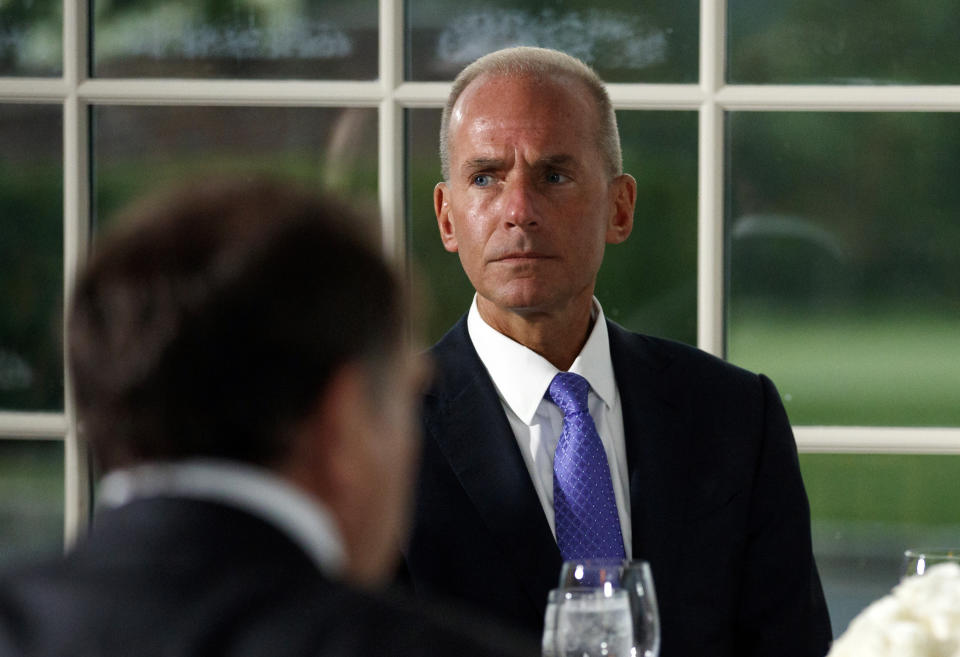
(241, 374)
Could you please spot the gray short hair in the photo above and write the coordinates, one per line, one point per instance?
(541, 63)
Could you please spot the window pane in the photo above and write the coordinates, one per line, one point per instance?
(31, 499)
(312, 39)
(647, 284)
(31, 257)
(827, 42)
(31, 37)
(844, 263)
(624, 41)
(448, 290)
(137, 149)
(866, 510)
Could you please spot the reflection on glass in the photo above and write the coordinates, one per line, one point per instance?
(825, 42)
(31, 499)
(137, 149)
(918, 561)
(308, 39)
(648, 283)
(866, 510)
(624, 41)
(31, 37)
(844, 263)
(31, 257)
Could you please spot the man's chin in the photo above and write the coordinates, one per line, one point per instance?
(525, 303)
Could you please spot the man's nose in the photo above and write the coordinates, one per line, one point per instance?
(520, 203)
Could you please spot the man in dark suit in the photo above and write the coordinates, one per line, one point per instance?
(698, 470)
(241, 374)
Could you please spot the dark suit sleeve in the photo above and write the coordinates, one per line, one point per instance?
(782, 611)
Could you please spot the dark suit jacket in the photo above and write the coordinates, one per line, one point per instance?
(718, 507)
(177, 577)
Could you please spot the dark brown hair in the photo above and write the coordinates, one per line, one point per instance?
(210, 324)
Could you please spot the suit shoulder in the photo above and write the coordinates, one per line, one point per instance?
(457, 366)
(673, 356)
(452, 344)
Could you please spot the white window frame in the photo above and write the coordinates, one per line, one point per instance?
(711, 98)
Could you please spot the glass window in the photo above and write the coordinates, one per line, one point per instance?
(448, 290)
(307, 39)
(625, 42)
(843, 252)
(31, 257)
(647, 284)
(826, 42)
(137, 149)
(866, 510)
(31, 499)
(31, 37)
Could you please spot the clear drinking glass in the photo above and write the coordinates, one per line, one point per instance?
(637, 580)
(604, 577)
(918, 561)
(548, 646)
(591, 573)
(593, 623)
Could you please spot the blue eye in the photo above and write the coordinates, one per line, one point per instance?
(555, 178)
(482, 179)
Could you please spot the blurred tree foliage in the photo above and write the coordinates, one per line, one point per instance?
(851, 210)
(30, 37)
(31, 257)
(850, 42)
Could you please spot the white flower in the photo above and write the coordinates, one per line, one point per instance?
(920, 618)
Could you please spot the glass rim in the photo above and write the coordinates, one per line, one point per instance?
(942, 552)
(588, 591)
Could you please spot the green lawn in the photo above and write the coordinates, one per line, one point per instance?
(892, 368)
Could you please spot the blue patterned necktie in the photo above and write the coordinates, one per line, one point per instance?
(585, 509)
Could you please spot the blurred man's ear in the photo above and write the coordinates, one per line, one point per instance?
(336, 455)
(323, 447)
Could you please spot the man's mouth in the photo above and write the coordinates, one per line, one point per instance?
(522, 256)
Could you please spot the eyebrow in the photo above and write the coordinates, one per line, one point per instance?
(481, 163)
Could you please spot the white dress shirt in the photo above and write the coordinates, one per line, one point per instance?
(521, 377)
(256, 491)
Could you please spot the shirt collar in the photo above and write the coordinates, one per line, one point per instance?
(254, 490)
(522, 376)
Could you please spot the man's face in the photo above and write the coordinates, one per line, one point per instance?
(530, 203)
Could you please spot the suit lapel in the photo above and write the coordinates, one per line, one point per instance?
(474, 435)
(656, 437)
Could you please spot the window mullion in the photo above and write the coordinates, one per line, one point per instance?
(76, 223)
(710, 258)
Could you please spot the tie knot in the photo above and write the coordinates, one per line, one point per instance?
(569, 391)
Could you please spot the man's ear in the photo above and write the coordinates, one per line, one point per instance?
(322, 456)
(441, 207)
(624, 191)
